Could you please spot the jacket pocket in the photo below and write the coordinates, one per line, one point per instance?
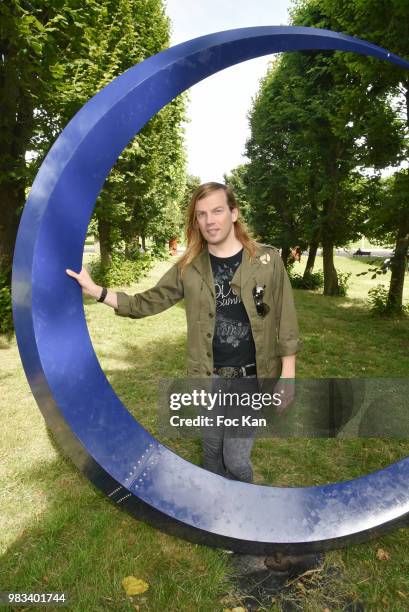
(193, 367)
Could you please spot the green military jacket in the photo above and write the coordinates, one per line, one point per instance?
(275, 334)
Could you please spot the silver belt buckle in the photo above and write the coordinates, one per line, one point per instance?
(226, 372)
(243, 370)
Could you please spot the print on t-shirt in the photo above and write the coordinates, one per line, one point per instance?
(233, 343)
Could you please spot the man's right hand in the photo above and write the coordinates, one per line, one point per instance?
(85, 281)
(90, 288)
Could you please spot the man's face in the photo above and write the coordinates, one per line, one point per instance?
(214, 217)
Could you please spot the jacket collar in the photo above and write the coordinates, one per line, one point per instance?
(202, 264)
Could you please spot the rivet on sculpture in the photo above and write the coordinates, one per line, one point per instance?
(89, 421)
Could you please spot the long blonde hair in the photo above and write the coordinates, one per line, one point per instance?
(194, 239)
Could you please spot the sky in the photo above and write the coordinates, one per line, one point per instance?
(218, 126)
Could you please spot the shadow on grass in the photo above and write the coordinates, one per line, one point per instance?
(342, 339)
(84, 546)
(137, 387)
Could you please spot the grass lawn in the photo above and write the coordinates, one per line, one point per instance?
(60, 534)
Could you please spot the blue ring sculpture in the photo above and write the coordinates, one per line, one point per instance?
(116, 453)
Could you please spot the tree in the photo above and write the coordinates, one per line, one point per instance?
(137, 188)
(273, 179)
(237, 180)
(30, 46)
(170, 183)
(54, 57)
(314, 126)
(152, 172)
(385, 23)
(391, 211)
(300, 159)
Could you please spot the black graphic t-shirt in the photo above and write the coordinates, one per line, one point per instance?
(233, 343)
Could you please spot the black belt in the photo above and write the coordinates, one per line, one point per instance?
(236, 371)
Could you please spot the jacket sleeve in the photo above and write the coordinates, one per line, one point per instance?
(288, 342)
(167, 291)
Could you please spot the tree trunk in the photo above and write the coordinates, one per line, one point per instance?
(331, 286)
(132, 246)
(12, 199)
(285, 254)
(312, 253)
(16, 126)
(398, 269)
(104, 235)
(330, 274)
(400, 259)
(143, 242)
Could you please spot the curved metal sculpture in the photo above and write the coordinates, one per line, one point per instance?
(78, 403)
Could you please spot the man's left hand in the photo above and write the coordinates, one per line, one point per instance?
(286, 389)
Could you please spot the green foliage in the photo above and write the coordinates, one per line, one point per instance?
(312, 128)
(390, 209)
(323, 126)
(379, 303)
(150, 177)
(377, 268)
(160, 251)
(343, 278)
(142, 194)
(237, 180)
(378, 299)
(122, 271)
(386, 85)
(315, 281)
(55, 57)
(312, 281)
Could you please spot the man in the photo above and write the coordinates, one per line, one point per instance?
(240, 313)
(241, 320)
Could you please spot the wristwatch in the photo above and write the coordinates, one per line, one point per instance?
(103, 295)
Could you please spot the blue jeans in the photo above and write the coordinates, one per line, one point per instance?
(225, 455)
